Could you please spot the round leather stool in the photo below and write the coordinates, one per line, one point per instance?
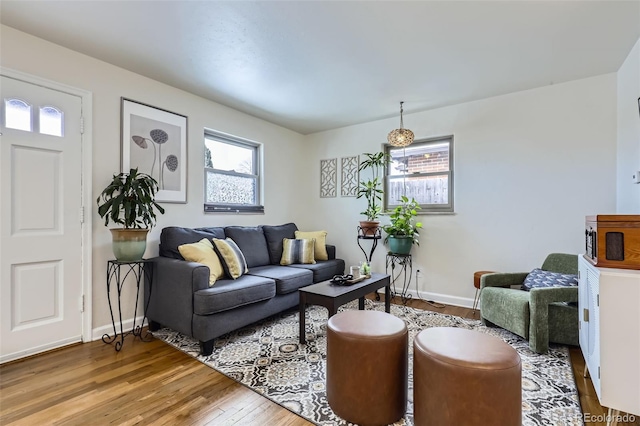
(464, 377)
(476, 283)
(367, 366)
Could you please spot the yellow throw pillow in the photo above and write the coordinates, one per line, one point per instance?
(321, 242)
(202, 252)
(233, 261)
(297, 251)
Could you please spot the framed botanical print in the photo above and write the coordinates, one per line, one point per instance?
(155, 141)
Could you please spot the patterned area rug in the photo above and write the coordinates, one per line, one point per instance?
(268, 358)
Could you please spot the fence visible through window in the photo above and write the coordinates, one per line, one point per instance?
(423, 171)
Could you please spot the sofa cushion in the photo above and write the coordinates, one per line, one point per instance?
(202, 252)
(274, 236)
(218, 231)
(321, 241)
(229, 294)
(252, 243)
(324, 269)
(541, 278)
(287, 279)
(297, 251)
(233, 261)
(173, 236)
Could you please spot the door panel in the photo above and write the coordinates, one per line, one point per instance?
(41, 279)
(40, 223)
(36, 171)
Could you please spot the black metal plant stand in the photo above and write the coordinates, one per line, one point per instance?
(139, 269)
(403, 264)
(365, 235)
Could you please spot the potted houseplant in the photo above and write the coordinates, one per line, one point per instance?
(402, 231)
(129, 200)
(371, 190)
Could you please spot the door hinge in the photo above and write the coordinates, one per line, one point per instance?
(81, 125)
(598, 299)
(598, 372)
(585, 315)
(82, 214)
(82, 303)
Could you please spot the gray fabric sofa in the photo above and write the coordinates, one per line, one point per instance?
(178, 295)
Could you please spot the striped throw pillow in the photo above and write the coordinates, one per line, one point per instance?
(297, 251)
(233, 261)
(321, 242)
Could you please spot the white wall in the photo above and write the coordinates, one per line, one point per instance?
(108, 83)
(628, 193)
(528, 167)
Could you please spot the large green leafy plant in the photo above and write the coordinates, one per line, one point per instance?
(371, 189)
(402, 221)
(129, 200)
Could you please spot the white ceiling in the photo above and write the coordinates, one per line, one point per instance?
(316, 65)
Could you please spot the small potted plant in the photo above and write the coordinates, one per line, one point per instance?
(129, 200)
(402, 231)
(371, 190)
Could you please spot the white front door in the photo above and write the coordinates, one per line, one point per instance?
(40, 218)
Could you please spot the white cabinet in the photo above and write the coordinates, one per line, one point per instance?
(609, 312)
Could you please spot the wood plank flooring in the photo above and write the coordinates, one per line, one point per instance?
(152, 383)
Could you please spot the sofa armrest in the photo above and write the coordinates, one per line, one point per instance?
(169, 295)
(539, 300)
(502, 279)
(331, 251)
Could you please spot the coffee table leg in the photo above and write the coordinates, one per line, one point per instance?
(387, 298)
(333, 309)
(303, 304)
(361, 303)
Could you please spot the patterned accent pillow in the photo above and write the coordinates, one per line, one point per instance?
(540, 278)
(321, 242)
(233, 261)
(202, 252)
(298, 251)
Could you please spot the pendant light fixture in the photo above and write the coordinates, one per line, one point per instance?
(400, 137)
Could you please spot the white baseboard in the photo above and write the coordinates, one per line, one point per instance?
(464, 302)
(97, 333)
(39, 349)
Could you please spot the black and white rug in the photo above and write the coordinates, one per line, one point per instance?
(268, 358)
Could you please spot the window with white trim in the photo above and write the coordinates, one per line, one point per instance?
(232, 175)
(424, 171)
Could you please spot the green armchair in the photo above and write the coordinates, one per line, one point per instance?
(541, 315)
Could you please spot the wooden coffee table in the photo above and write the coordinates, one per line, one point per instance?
(332, 296)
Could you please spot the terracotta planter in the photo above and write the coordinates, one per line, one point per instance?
(369, 228)
(129, 245)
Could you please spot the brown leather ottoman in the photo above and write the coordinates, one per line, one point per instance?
(367, 367)
(464, 377)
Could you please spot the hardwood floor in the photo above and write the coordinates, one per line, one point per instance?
(152, 383)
